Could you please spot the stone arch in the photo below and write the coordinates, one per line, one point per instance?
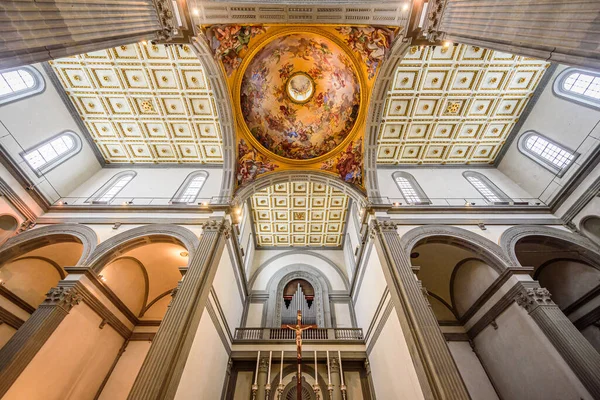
(509, 239)
(383, 82)
(281, 278)
(9, 224)
(45, 235)
(217, 82)
(303, 252)
(153, 233)
(307, 368)
(482, 248)
(590, 227)
(267, 180)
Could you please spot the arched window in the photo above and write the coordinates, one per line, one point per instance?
(190, 188)
(18, 83)
(52, 152)
(546, 152)
(410, 189)
(109, 191)
(579, 86)
(486, 187)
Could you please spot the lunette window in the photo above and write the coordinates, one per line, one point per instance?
(546, 152)
(109, 191)
(410, 189)
(18, 83)
(52, 152)
(579, 86)
(486, 187)
(190, 189)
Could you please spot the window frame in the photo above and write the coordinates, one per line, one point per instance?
(37, 88)
(503, 198)
(423, 198)
(176, 199)
(49, 166)
(559, 90)
(98, 194)
(559, 171)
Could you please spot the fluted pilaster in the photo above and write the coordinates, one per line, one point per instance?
(440, 376)
(579, 354)
(161, 371)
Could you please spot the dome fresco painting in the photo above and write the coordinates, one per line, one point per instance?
(300, 96)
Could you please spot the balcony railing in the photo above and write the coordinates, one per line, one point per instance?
(140, 201)
(457, 202)
(309, 334)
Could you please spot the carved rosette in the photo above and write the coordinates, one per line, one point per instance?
(532, 298)
(63, 297)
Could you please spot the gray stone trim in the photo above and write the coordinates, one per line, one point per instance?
(363, 258)
(380, 325)
(142, 336)
(483, 248)
(222, 316)
(511, 236)
(161, 371)
(117, 244)
(220, 94)
(374, 121)
(380, 305)
(441, 220)
(107, 316)
(456, 337)
(592, 191)
(303, 252)
(16, 201)
(244, 192)
(319, 282)
(215, 320)
(588, 319)
(28, 240)
(10, 319)
(16, 300)
(124, 219)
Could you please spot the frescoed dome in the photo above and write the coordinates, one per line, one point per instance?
(300, 96)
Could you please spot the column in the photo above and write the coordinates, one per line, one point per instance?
(561, 31)
(335, 379)
(35, 31)
(29, 339)
(161, 371)
(262, 378)
(437, 372)
(579, 354)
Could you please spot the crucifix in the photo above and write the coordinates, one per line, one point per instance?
(298, 328)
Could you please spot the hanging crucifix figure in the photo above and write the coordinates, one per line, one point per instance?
(298, 328)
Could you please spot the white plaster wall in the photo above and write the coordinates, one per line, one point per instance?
(392, 370)
(160, 184)
(121, 380)
(255, 311)
(472, 372)
(570, 124)
(227, 291)
(370, 291)
(448, 183)
(342, 315)
(204, 372)
(523, 363)
(272, 265)
(27, 122)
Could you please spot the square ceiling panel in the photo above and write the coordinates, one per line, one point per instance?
(144, 103)
(299, 214)
(454, 105)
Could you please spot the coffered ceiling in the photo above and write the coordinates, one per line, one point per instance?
(455, 105)
(144, 103)
(299, 214)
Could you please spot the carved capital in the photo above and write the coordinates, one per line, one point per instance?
(335, 365)
(532, 298)
(368, 367)
(434, 19)
(264, 365)
(65, 297)
(166, 18)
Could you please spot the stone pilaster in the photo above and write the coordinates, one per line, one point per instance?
(438, 375)
(532, 28)
(36, 31)
(27, 341)
(263, 368)
(335, 379)
(579, 354)
(161, 371)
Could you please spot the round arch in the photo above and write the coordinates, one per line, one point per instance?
(267, 180)
(307, 369)
(154, 233)
(281, 278)
(383, 82)
(590, 227)
(586, 248)
(482, 248)
(46, 235)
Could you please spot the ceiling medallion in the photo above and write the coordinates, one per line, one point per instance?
(300, 87)
(299, 95)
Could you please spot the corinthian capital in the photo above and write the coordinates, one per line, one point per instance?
(65, 297)
(532, 298)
